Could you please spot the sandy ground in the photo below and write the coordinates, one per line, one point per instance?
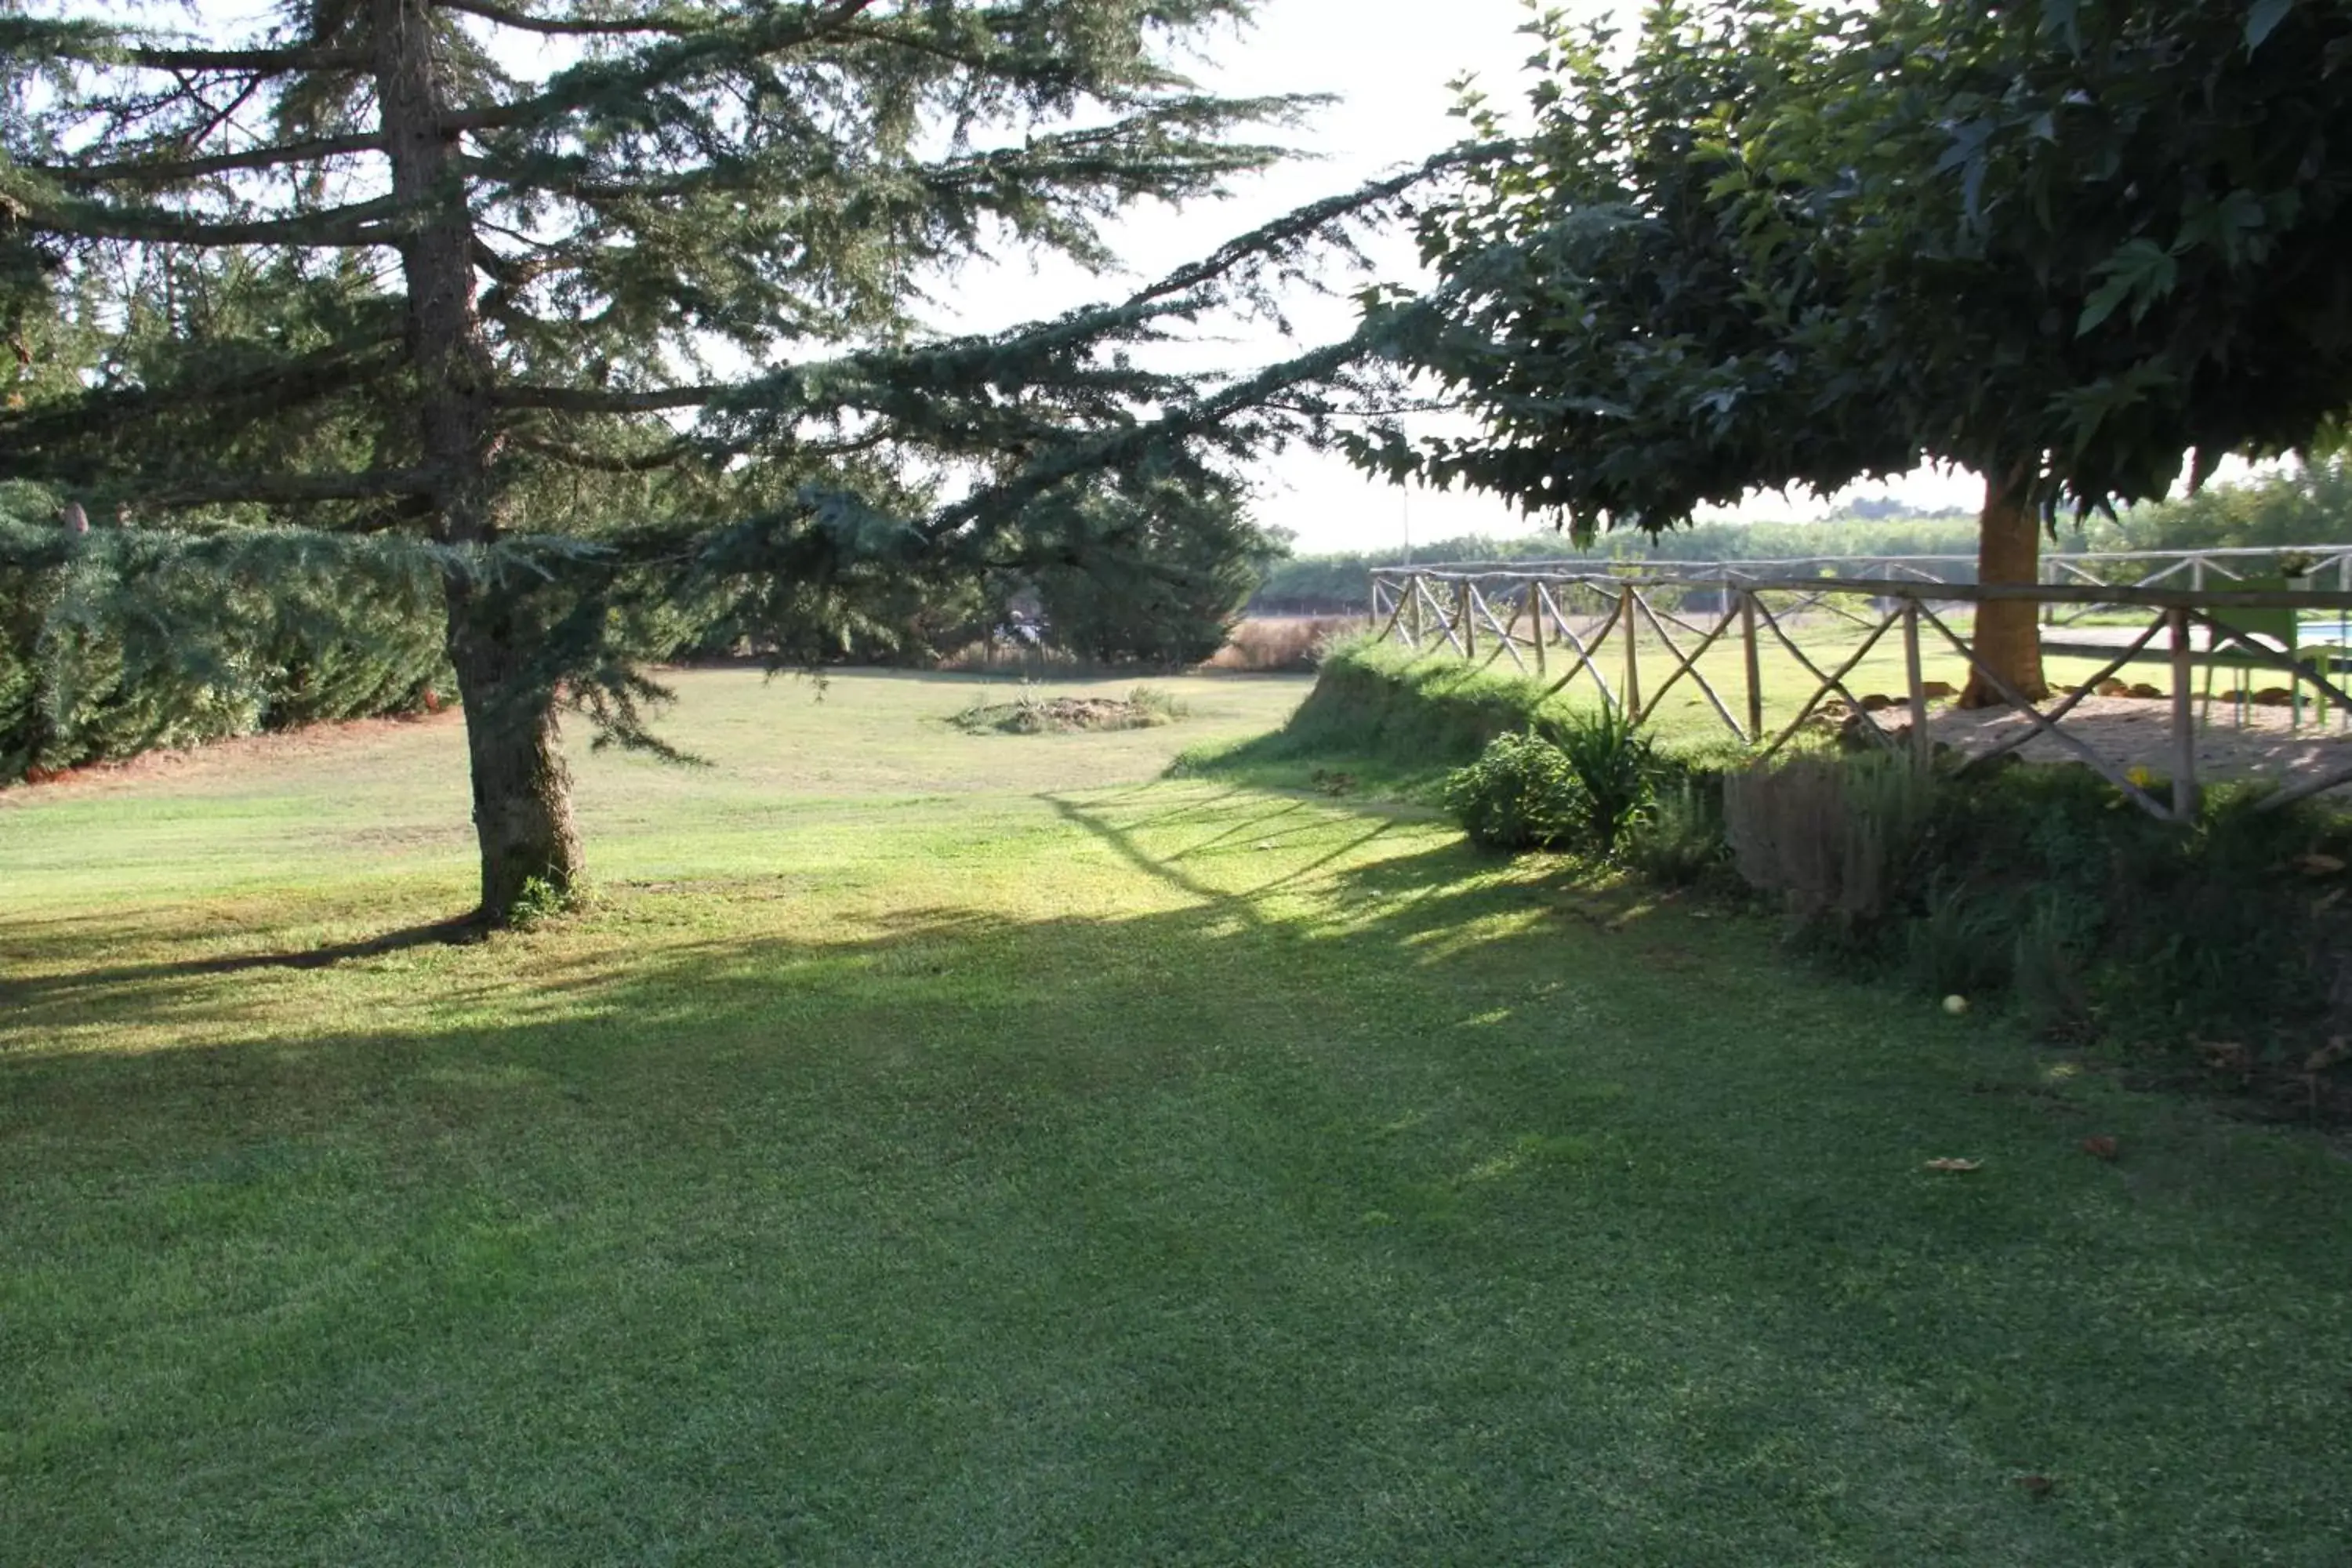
(2135, 731)
(270, 751)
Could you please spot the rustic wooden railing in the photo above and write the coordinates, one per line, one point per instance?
(1563, 627)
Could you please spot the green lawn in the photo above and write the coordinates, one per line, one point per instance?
(943, 1149)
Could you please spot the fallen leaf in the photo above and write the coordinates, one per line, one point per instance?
(1948, 1165)
(2037, 1486)
(2100, 1147)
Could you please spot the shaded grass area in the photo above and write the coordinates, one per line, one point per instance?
(1171, 1174)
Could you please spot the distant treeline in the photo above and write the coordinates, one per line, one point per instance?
(2300, 506)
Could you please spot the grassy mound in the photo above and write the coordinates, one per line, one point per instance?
(1399, 721)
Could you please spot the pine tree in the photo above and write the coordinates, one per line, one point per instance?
(607, 304)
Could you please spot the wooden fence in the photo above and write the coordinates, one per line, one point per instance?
(1562, 629)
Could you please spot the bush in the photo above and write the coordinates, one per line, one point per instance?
(1520, 793)
(1828, 836)
(1617, 765)
(1159, 703)
(1680, 842)
(2044, 885)
(113, 645)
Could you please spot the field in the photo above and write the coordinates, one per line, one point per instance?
(935, 1148)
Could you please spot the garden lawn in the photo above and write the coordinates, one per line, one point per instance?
(949, 1149)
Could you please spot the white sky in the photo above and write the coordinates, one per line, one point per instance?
(1389, 61)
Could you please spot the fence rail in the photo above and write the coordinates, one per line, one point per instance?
(1561, 626)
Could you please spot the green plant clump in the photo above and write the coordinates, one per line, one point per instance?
(1616, 766)
(1521, 793)
(1680, 842)
(2044, 887)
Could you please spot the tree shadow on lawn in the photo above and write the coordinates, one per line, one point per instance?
(1412, 1217)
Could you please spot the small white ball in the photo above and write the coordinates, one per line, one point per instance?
(1956, 1004)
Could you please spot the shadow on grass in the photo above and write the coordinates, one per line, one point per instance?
(29, 992)
(966, 1222)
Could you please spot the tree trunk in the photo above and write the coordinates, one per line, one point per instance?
(2009, 631)
(522, 793)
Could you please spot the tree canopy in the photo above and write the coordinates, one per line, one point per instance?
(2064, 243)
(600, 304)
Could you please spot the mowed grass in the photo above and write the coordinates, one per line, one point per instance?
(945, 1148)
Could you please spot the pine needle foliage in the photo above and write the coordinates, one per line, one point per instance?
(624, 308)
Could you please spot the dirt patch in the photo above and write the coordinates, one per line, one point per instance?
(268, 750)
(2134, 731)
(1063, 716)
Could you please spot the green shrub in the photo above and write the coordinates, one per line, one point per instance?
(1829, 837)
(1520, 793)
(1617, 766)
(1159, 703)
(1957, 943)
(1680, 842)
(115, 644)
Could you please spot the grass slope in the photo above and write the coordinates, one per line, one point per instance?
(947, 1149)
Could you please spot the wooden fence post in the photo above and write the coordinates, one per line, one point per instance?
(1469, 627)
(1633, 646)
(1412, 625)
(2184, 719)
(1534, 613)
(1923, 750)
(1755, 667)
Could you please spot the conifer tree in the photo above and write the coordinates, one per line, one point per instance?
(604, 304)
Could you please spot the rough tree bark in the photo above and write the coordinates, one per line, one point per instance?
(522, 793)
(2009, 632)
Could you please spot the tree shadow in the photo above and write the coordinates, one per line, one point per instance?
(1452, 1160)
(460, 932)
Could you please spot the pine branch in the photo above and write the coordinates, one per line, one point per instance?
(279, 489)
(243, 62)
(658, 67)
(91, 44)
(667, 455)
(103, 412)
(164, 171)
(349, 226)
(594, 400)
(505, 17)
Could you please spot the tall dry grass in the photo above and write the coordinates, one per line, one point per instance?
(1271, 644)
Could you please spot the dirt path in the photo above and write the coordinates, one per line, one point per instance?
(2138, 732)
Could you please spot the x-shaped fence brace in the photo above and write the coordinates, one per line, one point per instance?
(1544, 600)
